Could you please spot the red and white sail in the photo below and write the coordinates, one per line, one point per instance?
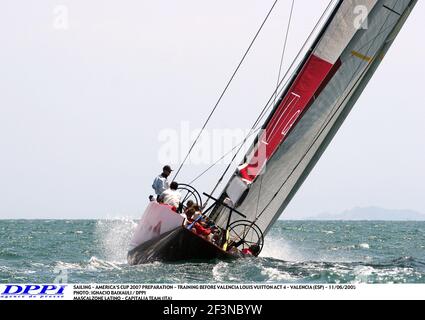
(318, 70)
(313, 106)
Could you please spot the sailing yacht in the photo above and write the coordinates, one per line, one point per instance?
(332, 72)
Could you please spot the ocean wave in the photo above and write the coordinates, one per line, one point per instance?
(275, 275)
(99, 264)
(68, 266)
(368, 274)
(349, 247)
(94, 264)
(294, 252)
(7, 254)
(220, 271)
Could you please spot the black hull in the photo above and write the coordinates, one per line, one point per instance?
(177, 245)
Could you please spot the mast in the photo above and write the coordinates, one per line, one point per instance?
(312, 108)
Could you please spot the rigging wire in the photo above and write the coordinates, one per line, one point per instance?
(277, 85)
(224, 156)
(284, 49)
(225, 89)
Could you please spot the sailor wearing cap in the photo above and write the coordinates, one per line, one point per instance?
(160, 184)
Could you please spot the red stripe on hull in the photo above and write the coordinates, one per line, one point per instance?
(309, 83)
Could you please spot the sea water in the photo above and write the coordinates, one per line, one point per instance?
(94, 251)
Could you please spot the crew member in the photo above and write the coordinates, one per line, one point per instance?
(160, 184)
(253, 250)
(171, 196)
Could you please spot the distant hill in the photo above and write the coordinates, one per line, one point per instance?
(372, 213)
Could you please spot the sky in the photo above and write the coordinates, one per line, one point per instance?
(90, 91)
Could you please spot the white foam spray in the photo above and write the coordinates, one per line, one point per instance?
(279, 248)
(113, 237)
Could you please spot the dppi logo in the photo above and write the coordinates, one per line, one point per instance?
(33, 291)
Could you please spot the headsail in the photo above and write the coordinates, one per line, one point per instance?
(312, 108)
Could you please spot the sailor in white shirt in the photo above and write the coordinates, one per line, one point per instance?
(160, 184)
(171, 196)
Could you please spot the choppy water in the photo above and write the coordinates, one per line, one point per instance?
(39, 251)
